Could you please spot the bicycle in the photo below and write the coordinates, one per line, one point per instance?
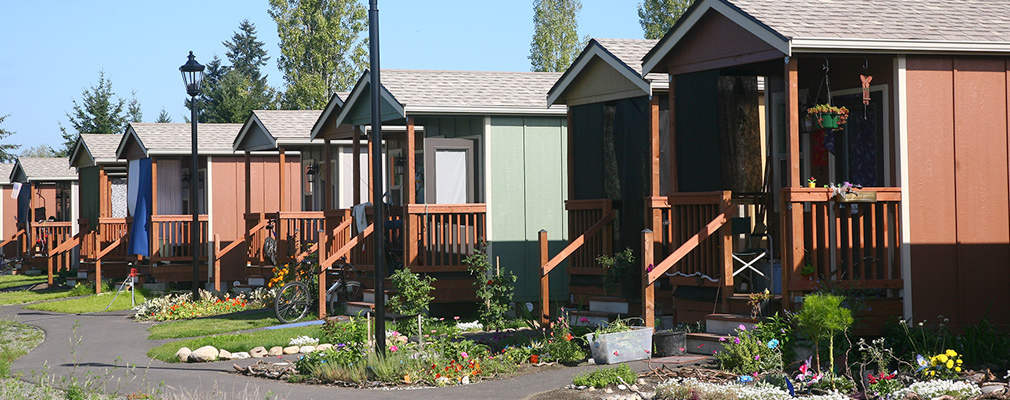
(6, 265)
(295, 298)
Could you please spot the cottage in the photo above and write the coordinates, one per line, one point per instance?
(9, 231)
(47, 209)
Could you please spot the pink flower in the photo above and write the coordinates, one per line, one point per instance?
(650, 267)
(393, 348)
(583, 319)
(757, 357)
(615, 353)
(714, 352)
(736, 340)
(722, 339)
(742, 327)
(647, 352)
(755, 374)
(456, 318)
(681, 349)
(465, 356)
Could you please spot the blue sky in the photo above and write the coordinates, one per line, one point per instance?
(52, 50)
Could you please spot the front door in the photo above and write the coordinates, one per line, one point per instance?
(449, 171)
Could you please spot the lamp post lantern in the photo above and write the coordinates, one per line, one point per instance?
(192, 76)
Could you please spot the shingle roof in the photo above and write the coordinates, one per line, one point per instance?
(5, 173)
(102, 146)
(56, 168)
(288, 123)
(424, 88)
(175, 137)
(629, 51)
(953, 20)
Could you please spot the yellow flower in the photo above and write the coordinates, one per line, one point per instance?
(942, 358)
(951, 353)
(950, 364)
(959, 361)
(932, 373)
(958, 369)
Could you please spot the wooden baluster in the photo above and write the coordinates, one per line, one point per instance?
(545, 299)
(648, 288)
(217, 262)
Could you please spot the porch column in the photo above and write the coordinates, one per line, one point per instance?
(327, 174)
(654, 216)
(282, 180)
(371, 172)
(154, 186)
(792, 235)
(674, 181)
(356, 165)
(409, 237)
(571, 155)
(104, 197)
(248, 183)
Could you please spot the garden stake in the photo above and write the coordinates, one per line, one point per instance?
(420, 336)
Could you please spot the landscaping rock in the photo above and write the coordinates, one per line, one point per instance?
(258, 352)
(324, 347)
(306, 349)
(465, 380)
(622, 387)
(183, 354)
(291, 350)
(224, 355)
(204, 354)
(641, 381)
(240, 355)
(581, 387)
(592, 389)
(276, 351)
(609, 390)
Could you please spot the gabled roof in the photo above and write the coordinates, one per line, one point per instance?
(268, 129)
(42, 169)
(329, 114)
(452, 92)
(5, 173)
(906, 26)
(143, 140)
(93, 149)
(623, 56)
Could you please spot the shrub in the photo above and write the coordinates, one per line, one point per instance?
(616, 268)
(413, 292)
(747, 353)
(182, 306)
(822, 317)
(353, 332)
(494, 288)
(603, 377)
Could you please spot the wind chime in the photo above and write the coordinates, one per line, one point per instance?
(865, 80)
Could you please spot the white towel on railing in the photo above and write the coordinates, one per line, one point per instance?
(358, 213)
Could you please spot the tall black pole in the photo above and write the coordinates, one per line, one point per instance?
(379, 232)
(194, 230)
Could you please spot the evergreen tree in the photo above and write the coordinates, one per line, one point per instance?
(555, 35)
(323, 48)
(163, 118)
(7, 149)
(100, 111)
(246, 53)
(230, 93)
(658, 16)
(133, 109)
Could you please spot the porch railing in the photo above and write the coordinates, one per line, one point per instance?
(845, 244)
(53, 234)
(440, 236)
(683, 216)
(171, 237)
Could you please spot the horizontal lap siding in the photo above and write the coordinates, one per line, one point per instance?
(958, 188)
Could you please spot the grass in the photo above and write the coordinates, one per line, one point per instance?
(29, 296)
(16, 339)
(7, 281)
(235, 342)
(213, 325)
(90, 303)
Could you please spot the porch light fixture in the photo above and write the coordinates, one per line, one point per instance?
(192, 76)
(310, 177)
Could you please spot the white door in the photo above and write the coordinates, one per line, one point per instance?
(449, 171)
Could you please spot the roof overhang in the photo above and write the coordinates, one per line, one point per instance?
(333, 108)
(254, 136)
(81, 156)
(441, 110)
(357, 109)
(653, 60)
(130, 146)
(18, 174)
(592, 54)
(890, 46)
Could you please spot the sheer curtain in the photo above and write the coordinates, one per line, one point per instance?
(170, 187)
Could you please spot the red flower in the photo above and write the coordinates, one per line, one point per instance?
(568, 337)
(488, 281)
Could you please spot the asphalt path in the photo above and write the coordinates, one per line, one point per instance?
(114, 348)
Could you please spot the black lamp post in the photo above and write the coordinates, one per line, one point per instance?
(192, 75)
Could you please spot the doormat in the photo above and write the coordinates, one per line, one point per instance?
(679, 359)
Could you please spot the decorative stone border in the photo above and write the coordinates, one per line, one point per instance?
(211, 353)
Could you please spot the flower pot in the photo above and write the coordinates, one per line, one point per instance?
(811, 184)
(827, 120)
(618, 347)
(670, 343)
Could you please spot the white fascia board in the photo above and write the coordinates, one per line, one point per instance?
(330, 105)
(51, 178)
(443, 110)
(595, 52)
(314, 142)
(840, 45)
(684, 26)
(130, 132)
(247, 127)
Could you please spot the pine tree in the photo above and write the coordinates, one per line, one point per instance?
(658, 16)
(163, 118)
(555, 35)
(7, 149)
(246, 53)
(230, 93)
(133, 109)
(100, 112)
(323, 48)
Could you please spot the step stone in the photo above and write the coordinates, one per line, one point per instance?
(612, 305)
(727, 324)
(705, 343)
(593, 318)
(369, 295)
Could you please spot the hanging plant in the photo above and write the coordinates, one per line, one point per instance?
(828, 116)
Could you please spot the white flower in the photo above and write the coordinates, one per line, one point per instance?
(470, 326)
(303, 341)
(959, 390)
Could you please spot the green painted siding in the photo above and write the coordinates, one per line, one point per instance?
(528, 190)
(89, 194)
(452, 127)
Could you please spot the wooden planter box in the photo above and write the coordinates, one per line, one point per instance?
(857, 197)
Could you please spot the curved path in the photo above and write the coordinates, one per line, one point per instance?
(110, 341)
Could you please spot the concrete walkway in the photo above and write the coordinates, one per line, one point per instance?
(110, 341)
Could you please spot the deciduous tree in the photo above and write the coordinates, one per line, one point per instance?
(323, 48)
(556, 40)
(42, 150)
(658, 16)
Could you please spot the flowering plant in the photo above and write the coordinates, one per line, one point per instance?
(946, 365)
(755, 300)
(818, 112)
(883, 385)
(747, 353)
(812, 181)
(807, 377)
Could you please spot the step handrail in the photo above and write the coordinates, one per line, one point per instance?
(548, 265)
(346, 248)
(689, 245)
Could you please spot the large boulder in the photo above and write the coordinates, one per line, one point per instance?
(258, 352)
(183, 354)
(204, 354)
(276, 351)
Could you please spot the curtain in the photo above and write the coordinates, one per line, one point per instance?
(170, 187)
(140, 206)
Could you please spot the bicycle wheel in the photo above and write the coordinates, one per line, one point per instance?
(292, 302)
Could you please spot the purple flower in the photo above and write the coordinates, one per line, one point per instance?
(742, 327)
(736, 340)
(757, 357)
(722, 339)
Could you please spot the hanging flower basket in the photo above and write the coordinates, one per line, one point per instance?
(827, 116)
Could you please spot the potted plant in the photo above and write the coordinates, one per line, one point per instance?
(759, 303)
(812, 182)
(808, 271)
(828, 116)
(620, 270)
(619, 342)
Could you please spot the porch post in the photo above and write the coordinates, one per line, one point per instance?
(726, 242)
(674, 181)
(792, 122)
(571, 156)
(154, 187)
(282, 180)
(792, 235)
(322, 276)
(248, 185)
(545, 298)
(356, 165)
(656, 215)
(327, 174)
(105, 197)
(409, 225)
(648, 288)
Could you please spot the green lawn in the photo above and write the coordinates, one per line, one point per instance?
(7, 281)
(213, 325)
(235, 342)
(28, 296)
(88, 304)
